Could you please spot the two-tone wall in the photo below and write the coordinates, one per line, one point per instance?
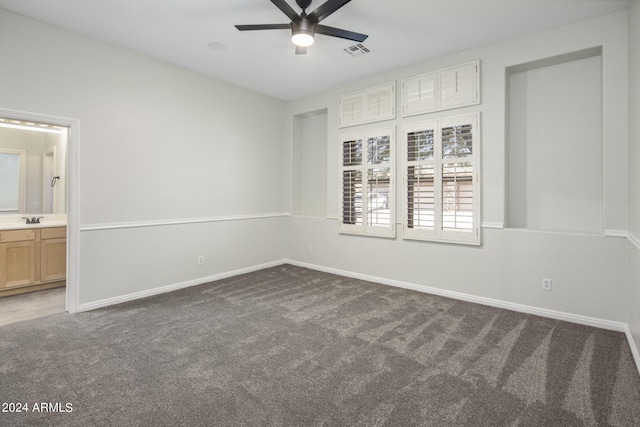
(633, 294)
(588, 269)
(171, 164)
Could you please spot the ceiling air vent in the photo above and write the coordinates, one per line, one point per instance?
(357, 50)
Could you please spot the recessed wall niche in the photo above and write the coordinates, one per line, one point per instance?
(554, 143)
(309, 163)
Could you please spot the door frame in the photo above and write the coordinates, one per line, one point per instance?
(72, 193)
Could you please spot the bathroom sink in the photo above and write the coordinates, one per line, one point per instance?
(11, 222)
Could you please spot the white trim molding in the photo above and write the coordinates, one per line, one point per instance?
(174, 287)
(496, 225)
(634, 239)
(633, 347)
(552, 314)
(179, 221)
(615, 233)
(72, 195)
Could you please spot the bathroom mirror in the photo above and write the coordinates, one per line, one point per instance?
(32, 168)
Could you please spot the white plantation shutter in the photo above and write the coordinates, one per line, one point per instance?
(458, 86)
(352, 109)
(367, 182)
(381, 103)
(367, 106)
(442, 89)
(419, 94)
(420, 194)
(351, 181)
(441, 189)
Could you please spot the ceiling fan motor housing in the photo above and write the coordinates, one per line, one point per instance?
(304, 25)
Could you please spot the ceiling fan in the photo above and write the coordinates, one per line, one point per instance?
(303, 27)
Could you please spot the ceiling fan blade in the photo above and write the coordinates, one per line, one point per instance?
(343, 34)
(264, 27)
(286, 9)
(300, 50)
(326, 9)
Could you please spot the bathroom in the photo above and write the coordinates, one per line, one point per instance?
(33, 249)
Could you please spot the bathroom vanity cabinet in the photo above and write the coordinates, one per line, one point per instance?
(32, 259)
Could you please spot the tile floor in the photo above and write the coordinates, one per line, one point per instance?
(17, 308)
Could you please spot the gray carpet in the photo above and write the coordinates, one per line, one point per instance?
(295, 347)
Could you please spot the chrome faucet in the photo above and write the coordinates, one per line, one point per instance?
(33, 220)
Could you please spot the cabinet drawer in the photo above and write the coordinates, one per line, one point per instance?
(17, 235)
(53, 233)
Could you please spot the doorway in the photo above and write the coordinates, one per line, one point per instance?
(59, 198)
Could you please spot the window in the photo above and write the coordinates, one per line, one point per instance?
(13, 180)
(367, 182)
(366, 106)
(441, 90)
(441, 192)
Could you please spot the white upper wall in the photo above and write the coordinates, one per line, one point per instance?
(608, 31)
(632, 297)
(634, 121)
(156, 141)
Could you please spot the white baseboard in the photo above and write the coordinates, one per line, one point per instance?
(174, 287)
(633, 347)
(553, 314)
(633, 239)
(610, 232)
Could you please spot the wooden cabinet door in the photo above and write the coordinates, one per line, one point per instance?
(17, 263)
(53, 259)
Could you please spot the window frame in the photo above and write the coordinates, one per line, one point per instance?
(22, 180)
(374, 104)
(438, 83)
(439, 233)
(365, 227)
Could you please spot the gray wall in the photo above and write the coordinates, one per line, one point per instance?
(555, 146)
(169, 170)
(633, 295)
(157, 143)
(309, 164)
(588, 269)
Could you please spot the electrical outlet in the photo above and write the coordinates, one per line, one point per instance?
(309, 249)
(200, 260)
(546, 284)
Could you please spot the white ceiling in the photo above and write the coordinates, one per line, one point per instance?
(401, 33)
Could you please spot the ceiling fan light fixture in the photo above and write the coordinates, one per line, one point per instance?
(305, 26)
(302, 32)
(302, 39)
